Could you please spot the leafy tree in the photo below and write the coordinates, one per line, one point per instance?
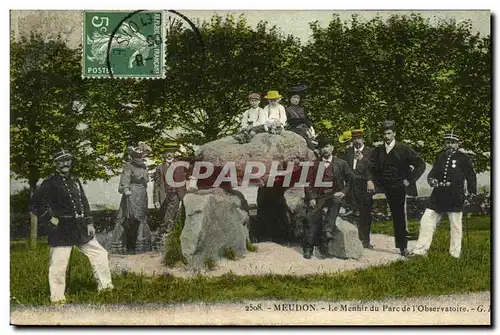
(426, 78)
(45, 80)
(212, 71)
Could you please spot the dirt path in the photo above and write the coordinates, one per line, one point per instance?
(270, 258)
(472, 309)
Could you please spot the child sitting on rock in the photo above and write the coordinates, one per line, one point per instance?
(253, 120)
(276, 114)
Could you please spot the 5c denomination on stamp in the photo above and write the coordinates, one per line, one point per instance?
(123, 44)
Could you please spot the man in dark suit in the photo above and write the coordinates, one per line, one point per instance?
(166, 196)
(391, 166)
(357, 157)
(448, 175)
(329, 181)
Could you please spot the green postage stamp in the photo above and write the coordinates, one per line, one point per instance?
(123, 44)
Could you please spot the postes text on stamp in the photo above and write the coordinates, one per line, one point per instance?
(123, 44)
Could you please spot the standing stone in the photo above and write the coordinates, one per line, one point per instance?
(297, 211)
(216, 219)
(345, 242)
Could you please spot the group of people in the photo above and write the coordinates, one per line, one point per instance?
(274, 117)
(132, 233)
(61, 201)
(392, 168)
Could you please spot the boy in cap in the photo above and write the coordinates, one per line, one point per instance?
(395, 167)
(61, 200)
(253, 120)
(451, 169)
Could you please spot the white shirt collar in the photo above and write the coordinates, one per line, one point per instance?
(360, 149)
(391, 145)
(329, 159)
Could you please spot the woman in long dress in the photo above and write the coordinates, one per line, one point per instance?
(132, 233)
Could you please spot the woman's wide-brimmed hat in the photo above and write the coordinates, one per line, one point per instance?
(140, 151)
(271, 95)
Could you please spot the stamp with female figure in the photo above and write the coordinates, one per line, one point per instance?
(123, 44)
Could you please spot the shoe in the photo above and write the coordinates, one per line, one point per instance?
(410, 236)
(367, 246)
(404, 252)
(58, 303)
(308, 253)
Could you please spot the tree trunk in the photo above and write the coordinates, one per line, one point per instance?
(33, 218)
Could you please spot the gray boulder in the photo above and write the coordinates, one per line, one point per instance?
(264, 147)
(345, 242)
(216, 219)
(297, 211)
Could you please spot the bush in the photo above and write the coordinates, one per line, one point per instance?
(209, 263)
(250, 246)
(20, 201)
(229, 253)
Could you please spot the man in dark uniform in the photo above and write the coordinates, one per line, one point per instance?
(166, 197)
(337, 177)
(451, 169)
(357, 157)
(61, 200)
(396, 168)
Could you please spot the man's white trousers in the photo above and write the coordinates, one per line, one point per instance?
(428, 225)
(59, 259)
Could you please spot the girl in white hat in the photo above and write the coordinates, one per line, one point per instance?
(275, 112)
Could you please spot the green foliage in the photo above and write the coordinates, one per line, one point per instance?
(209, 263)
(250, 246)
(423, 76)
(19, 202)
(438, 274)
(229, 253)
(208, 81)
(45, 81)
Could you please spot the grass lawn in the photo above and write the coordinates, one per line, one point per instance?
(436, 274)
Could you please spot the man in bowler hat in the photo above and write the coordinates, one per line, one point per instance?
(357, 157)
(324, 201)
(396, 168)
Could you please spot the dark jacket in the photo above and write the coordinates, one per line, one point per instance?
(406, 161)
(362, 174)
(342, 179)
(296, 116)
(454, 169)
(52, 199)
(161, 187)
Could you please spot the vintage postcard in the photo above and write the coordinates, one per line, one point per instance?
(265, 167)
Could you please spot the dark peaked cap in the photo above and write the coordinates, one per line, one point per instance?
(62, 154)
(450, 135)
